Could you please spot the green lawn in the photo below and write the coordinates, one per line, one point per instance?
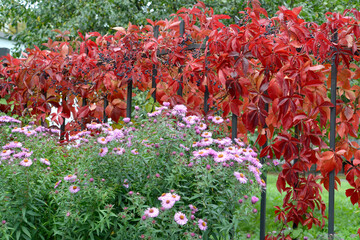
(347, 216)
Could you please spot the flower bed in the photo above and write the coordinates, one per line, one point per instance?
(162, 176)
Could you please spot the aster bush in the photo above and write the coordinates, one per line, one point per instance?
(163, 174)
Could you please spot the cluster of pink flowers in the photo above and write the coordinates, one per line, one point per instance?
(168, 200)
(7, 119)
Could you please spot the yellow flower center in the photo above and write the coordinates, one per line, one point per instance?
(74, 187)
(242, 175)
(217, 118)
(182, 217)
(151, 210)
(173, 196)
(70, 175)
(163, 194)
(4, 151)
(237, 155)
(167, 201)
(25, 160)
(220, 155)
(204, 224)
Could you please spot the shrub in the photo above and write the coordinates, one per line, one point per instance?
(162, 176)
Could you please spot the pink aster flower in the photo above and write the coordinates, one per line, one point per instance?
(103, 151)
(193, 208)
(152, 212)
(135, 152)
(206, 142)
(45, 161)
(231, 149)
(26, 162)
(6, 153)
(102, 140)
(174, 197)
(221, 157)
(200, 153)
(93, 125)
(165, 196)
(74, 189)
(29, 133)
(70, 178)
(57, 184)
(217, 119)
(14, 144)
(241, 177)
(202, 126)
(179, 110)
(191, 119)
(119, 150)
(180, 218)
(206, 134)
(126, 120)
(167, 203)
(166, 104)
(276, 162)
(202, 225)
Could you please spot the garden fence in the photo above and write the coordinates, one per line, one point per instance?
(234, 124)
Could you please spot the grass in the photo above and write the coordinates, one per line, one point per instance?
(347, 216)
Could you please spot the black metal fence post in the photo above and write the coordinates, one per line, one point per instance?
(206, 99)
(62, 127)
(182, 31)
(106, 103)
(129, 99)
(331, 211)
(62, 130)
(233, 126)
(43, 122)
(154, 70)
(83, 121)
(263, 192)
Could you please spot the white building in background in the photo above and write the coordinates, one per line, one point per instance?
(5, 44)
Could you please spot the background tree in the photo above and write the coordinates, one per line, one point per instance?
(43, 16)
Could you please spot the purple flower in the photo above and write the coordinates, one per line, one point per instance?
(202, 225)
(70, 178)
(180, 218)
(103, 151)
(126, 120)
(74, 189)
(135, 152)
(45, 161)
(26, 162)
(254, 199)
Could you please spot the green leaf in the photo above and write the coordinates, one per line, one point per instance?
(26, 231)
(3, 101)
